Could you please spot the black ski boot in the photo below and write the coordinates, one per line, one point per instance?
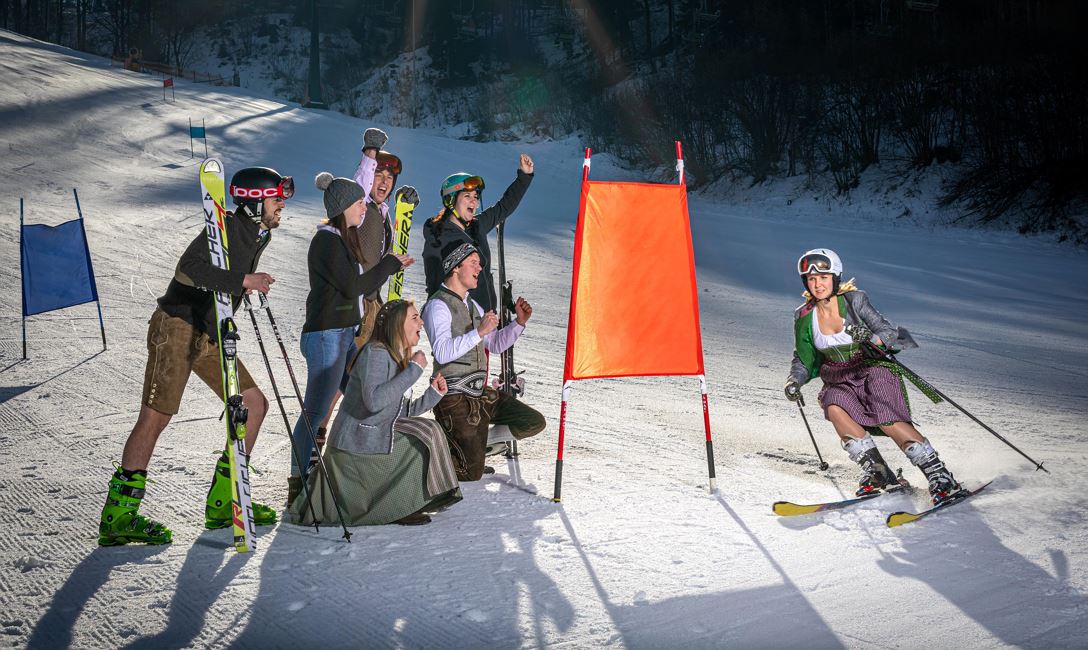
(877, 475)
(942, 485)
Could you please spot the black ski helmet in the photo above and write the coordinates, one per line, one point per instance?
(251, 186)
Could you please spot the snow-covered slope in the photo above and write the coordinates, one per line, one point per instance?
(638, 554)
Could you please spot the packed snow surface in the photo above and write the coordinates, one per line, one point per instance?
(639, 553)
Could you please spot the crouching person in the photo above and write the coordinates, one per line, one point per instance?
(461, 334)
(386, 465)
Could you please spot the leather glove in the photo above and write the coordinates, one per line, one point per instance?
(408, 193)
(374, 139)
(793, 391)
(859, 333)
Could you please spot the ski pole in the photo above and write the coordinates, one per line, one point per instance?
(506, 366)
(801, 409)
(309, 427)
(888, 356)
(279, 401)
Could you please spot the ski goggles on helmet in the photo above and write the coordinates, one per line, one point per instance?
(285, 189)
(388, 162)
(814, 263)
(471, 184)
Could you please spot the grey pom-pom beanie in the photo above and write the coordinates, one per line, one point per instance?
(339, 193)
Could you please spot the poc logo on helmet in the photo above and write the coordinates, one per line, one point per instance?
(254, 193)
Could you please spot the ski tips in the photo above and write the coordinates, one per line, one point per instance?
(789, 509)
(900, 518)
(212, 165)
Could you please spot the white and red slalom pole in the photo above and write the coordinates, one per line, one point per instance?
(702, 378)
(566, 366)
(680, 163)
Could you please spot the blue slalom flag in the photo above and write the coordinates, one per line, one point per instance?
(196, 131)
(56, 267)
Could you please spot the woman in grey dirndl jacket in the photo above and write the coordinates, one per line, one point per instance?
(831, 332)
(386, 464)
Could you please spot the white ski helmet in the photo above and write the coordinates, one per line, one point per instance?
(820, 260)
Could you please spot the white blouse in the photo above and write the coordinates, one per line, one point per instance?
(823, 341)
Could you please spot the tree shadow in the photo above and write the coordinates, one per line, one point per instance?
(54, 629)
(1019, 602)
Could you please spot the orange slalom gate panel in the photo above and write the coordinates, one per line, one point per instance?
(634, 299)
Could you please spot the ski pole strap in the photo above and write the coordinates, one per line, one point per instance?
(903, 373)
(470, 384)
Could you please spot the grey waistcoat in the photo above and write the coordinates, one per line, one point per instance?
(465, 318)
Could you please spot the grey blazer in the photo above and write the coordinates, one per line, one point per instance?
(858, 311)
(374, 399)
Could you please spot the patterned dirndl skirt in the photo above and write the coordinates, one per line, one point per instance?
(870, 394)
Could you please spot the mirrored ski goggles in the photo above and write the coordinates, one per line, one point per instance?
(472, 183)
(814, 264)
(388, 162)
(285, 190)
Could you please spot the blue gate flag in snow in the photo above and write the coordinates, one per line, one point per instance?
(56, 267)
(197, 132)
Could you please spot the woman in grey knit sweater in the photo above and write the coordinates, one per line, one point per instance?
(387, 464)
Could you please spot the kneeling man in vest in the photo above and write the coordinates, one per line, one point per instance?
(461, 334)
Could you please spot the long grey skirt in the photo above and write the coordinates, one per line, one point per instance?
(377, 489)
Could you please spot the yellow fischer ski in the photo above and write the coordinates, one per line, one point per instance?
(402, 228)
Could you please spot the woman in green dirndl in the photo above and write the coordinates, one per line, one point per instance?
(831, 331)
(385, 463)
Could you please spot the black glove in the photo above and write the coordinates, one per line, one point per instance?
(374, 139)
(407, 193)
(859, 333)
(793, 391)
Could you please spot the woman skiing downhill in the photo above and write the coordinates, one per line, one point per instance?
(831, 330)
(337, 281)
(462, 222)
(386, 464)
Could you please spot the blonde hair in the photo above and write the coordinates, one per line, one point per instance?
(389, 330)
(845, 287)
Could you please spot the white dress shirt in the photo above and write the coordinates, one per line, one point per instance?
(438, 321)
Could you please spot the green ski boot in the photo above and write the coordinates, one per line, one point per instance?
(121, 523)
(219, 509)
